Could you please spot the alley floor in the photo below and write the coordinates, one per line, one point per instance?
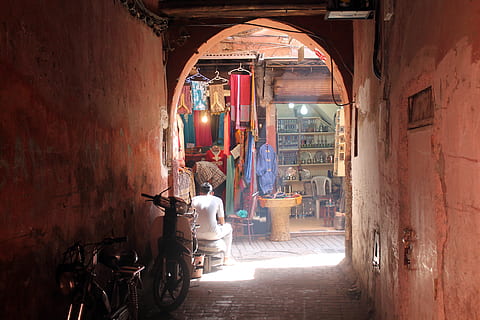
(304, 278)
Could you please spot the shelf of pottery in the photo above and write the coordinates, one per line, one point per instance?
(305, 142)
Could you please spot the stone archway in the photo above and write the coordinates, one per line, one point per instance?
(306, 40)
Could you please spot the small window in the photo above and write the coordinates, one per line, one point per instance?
(420, 109)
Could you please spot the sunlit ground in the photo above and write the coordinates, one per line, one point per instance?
(245, 270)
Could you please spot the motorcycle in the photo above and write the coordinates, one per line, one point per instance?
(176, 242)
(77, 277)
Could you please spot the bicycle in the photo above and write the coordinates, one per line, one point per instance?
(77, 278)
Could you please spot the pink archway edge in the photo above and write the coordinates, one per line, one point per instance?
(205, 47)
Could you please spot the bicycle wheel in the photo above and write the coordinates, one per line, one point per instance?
(171, 283)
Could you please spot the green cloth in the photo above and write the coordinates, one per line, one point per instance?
(229, 202)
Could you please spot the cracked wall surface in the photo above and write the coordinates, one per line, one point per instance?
(425, 44)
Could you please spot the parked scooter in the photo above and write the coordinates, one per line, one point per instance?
(77, 278)
(176, 244)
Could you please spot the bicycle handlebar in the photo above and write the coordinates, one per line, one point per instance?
(148, 196)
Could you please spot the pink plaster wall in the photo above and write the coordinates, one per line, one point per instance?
(81, 88)
(428, 43)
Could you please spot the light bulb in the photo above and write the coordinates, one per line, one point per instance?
(303, 109)
(291, 105)
(205, 119)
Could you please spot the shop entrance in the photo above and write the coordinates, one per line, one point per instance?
(262, 106)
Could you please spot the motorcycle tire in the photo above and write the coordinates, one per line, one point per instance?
(171, 282)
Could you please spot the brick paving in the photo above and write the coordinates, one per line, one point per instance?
(304, 278)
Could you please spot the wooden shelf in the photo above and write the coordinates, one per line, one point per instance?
(307, 133)
(306, 164)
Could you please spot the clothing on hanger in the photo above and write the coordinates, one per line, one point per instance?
(185, 103)
(249, 158)
(266, 168)
(189, 130)
(199, 95)
(240, 99)
(217, 98)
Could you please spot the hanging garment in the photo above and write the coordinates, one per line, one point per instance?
(218, 157)
(221, 129)
(217, 98)
(226, 134)
(199, 95)
(266, 168)
(203, 135)
(249, 158)
(188, 130)
(185, 103)
(229, 206)
(240, 99)
(214, 124)
(253, 110)
(180, 137)
(185, 184)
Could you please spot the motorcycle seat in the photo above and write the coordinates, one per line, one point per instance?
(115, 259)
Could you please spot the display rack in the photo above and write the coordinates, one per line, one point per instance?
(307, 141)
(339, 167)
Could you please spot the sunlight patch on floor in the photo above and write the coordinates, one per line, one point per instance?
(243, 271)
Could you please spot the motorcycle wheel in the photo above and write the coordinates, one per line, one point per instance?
(171, 283)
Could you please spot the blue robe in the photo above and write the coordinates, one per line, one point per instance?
(266, 168)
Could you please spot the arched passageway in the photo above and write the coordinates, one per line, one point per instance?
(333, 276)
(267, 100)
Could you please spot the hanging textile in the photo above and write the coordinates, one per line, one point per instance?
(249, 158)
(221, 129)
(266, 168)
(229, 206)
(186, 185)
(253, 110)
(188, 130)
(226, 133)
(217, 98)
(253, 183)
(180, 137)
(217, 156)
(199, 95)
(203, 135)
(214, 124)
(240, 99)
(185, 103)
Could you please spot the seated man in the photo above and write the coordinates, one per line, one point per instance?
(211, 219)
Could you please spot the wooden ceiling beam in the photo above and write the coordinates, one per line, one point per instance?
(241, 11)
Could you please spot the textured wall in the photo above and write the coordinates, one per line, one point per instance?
(427, 43)
(81, 86)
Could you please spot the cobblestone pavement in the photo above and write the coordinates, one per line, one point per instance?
(303, 278)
